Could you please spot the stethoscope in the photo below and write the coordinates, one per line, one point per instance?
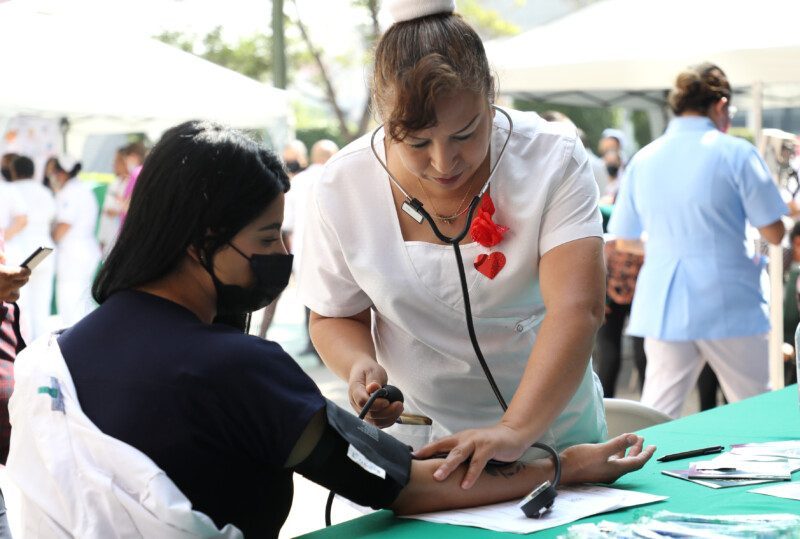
(414, 209)
(537, 503)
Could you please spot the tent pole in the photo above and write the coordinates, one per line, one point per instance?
(63, 127)
(278, 46)
(775, 264)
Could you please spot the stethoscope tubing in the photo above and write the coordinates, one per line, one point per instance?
(455, 242)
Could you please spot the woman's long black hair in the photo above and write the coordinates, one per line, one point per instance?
(201, 184)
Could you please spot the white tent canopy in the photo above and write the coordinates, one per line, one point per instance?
(104, 79)
(628, 52)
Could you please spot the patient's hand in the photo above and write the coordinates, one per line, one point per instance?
(605, 462)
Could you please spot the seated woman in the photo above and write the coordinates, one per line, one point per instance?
(147, 418)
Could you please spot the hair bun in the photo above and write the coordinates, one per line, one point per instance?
(67, 162)
(406, 10)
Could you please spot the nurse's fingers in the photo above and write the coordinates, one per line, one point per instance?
(458, 452)
(443, 445)
(458, 456)
(365, 378)
(477, 464)
(357, 392)
(385, 416)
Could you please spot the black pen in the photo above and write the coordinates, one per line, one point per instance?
(692, 453)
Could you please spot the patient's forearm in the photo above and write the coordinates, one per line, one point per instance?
(423, 493)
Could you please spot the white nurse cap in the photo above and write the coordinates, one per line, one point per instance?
(406, 10)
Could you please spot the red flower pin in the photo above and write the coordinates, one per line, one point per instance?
(483, 230)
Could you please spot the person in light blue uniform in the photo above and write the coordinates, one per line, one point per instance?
(692, 192)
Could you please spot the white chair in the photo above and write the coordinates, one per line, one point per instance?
(623, 415)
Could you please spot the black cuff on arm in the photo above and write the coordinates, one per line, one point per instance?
(357, 460)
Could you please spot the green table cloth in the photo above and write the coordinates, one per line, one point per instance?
(769, 417)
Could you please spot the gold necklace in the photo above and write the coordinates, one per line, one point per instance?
(448, 219)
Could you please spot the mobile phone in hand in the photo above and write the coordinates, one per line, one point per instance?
(36, 257)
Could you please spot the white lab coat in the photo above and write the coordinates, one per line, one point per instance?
(76, 481)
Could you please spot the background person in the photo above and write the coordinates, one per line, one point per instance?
(77, 252)
(148, 383)
(297, 206)
(5, 165)
(698, 297)
(13, 211)
(622, 270)
(385, 293)
(113, 204)
(133, 155)
(295, 160)
(36, 298)
(12, 280)
(295, 157)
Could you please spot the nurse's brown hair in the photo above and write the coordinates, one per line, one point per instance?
(419, 60)
(698, 87)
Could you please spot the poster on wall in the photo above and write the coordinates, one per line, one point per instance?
(37, 138)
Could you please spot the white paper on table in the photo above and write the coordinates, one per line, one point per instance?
(783, 490)
(729, 464)
(572, 503)
(784, 448)
(760, 463)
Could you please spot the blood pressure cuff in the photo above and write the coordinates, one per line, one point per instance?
(357, 460)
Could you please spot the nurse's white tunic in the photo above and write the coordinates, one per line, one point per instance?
(77, 253)
(355, 258)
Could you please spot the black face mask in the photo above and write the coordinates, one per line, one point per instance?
(613, 170)
(293, 166)
(6, 172)
(272, 276)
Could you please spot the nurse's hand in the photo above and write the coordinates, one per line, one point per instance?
(366, 377)
(499, 442)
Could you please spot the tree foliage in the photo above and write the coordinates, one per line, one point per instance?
(250, 56)
(487, 22)
(591, 119)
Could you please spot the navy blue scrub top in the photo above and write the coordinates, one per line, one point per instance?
(217, 410)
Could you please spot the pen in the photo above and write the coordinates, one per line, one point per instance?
(692, 453)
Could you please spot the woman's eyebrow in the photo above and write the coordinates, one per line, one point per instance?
(468, 125)
(273, 226)
(472, 121)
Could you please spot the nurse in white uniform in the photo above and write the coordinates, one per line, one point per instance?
(385, 293)
(35, 299)
(78, 252)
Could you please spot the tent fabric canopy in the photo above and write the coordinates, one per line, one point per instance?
(628, 52)
(62, 66)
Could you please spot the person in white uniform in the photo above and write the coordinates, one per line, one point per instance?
(78, 252)
(297, 204)
(13, 213)
(385, 292)
(35, 299)
(698, 298)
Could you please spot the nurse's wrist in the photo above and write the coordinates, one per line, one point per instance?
(523, 430)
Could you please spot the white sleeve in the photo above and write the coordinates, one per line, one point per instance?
(572, 212)
(325, 283)
(18, 206)
(11, 205)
